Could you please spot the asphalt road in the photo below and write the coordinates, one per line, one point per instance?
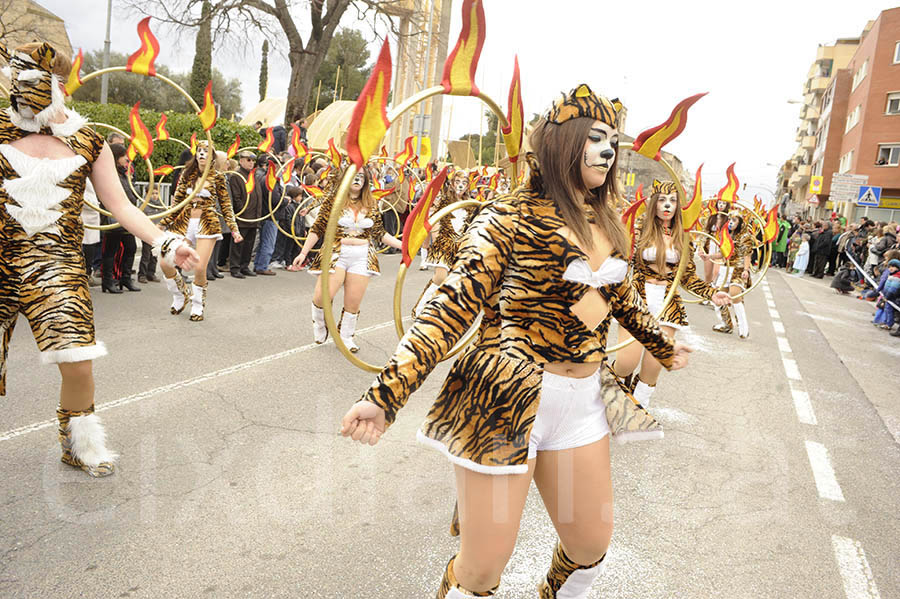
(777, 477)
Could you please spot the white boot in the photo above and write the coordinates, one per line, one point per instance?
(198, 302)
(320, 329)
(568, 580)
(83, 442)
(423, 257)
(642, 393)
(743, 323)
(179, 291)
(426, 296)
(347, 329)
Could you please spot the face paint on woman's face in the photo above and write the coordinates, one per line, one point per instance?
(202, 156)
(722, 206)
(666, 204)
(732, 223)
(599, 154)
(358, 182)
(462, 183)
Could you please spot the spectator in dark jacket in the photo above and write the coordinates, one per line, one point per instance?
(118, 244)
(247, 213)
(821, 249)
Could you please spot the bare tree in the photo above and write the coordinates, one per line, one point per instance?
(17, 26)
(274, 19)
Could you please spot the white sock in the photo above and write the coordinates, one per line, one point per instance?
(642, 393)
(743, 323)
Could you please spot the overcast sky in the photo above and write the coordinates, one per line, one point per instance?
(752, 57)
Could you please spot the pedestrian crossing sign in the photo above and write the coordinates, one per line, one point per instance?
(869, 195)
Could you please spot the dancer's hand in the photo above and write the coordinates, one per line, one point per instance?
(298, 261)
(681, 356)
(363, 422)
(237, 237)
(721, 298)
(186, 258)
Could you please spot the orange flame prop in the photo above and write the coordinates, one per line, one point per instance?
(411, 192)
(314, 191)
(726, 243)
(417, 227)
(381, 193)
(407, 154)
(370, 122)
(194, 143)
(271, 176)
(268, 141)
(459, 70)
(384, 152)
(74, 81)
(632, 213)
(250, 184)
(163, 170)
(334, 155)
(650, 142)
(494, 181)
(690, 214)
(771, 230)
(512, 135)
(162, 134)
(300, 149)
(233, 148)
(208, 113)
(141, 62)
(729, 192)
(287, 171)
(140, 136)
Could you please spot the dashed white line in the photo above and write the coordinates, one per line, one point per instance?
(783, 344)
(823, 472)
(851, 559)
(790, 369)
(778, 326)
(803, 407)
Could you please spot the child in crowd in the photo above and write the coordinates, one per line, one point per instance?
(793, 248)
(801, 261)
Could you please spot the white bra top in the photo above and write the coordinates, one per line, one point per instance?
(649, 255)
(613, 270)
(355, 227)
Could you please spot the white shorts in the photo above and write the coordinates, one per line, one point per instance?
(193, 232)
(354, 259)
(571, 413)
(724, 277)
(656, 296)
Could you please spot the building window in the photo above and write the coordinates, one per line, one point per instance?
(893, 103)
(853, 118)
(846, 162)
(897, 53)
(860, 74)
(888, 155)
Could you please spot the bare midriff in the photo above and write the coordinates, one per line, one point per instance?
(353, 241)
(572, 370)
(196, 212)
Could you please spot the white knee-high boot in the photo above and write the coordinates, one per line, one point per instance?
(723, 313)
(568, 580)
(450, 588)
(198, 302)
(643, 392)
(179, 291)
(743, 323)
(426, 296)
(320, 329)
(347, 329)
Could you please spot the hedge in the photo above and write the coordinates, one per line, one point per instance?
(179, 125)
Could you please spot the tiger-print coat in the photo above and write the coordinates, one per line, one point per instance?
(445, 244)
(42, 272)
(743, 247)
(510, 264)
(178, 222)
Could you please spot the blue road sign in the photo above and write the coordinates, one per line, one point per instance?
(869, 195)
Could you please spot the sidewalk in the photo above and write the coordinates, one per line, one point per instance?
(870, 354)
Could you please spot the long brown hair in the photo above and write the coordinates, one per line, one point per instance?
(652, 232)
(365, 194)
(559, 150)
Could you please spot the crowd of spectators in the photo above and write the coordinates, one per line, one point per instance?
(863, 258)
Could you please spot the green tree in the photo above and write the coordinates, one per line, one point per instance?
(201, 72)
(264, 71)
(349, 51)
(488, 140)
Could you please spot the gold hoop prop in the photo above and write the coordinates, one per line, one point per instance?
(685, 250)
(199, 184)
(698, 298)
(146, 201)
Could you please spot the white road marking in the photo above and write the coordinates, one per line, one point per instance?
(851, 559)
(774, 313)
(778, 326)
(803, 407)
(790, 369)
(823, 472)
(783, 344)
(30, 428)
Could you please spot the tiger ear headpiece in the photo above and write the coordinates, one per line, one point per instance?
(663, 187)
(582, 102)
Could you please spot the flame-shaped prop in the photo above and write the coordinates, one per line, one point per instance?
(459, 70)
(632, 214)
(370, 122)
(512, 135)
(287, 171)
(162, 134)
(208, 113)
(417, 226)
(163, 170)
(74, 81)
(268, 141)
(334, 155)
(314, 191)
(690, 214)
(250, 184)
(141, 62)
(650, 142)
(729, 192)
(271, 176)
(726, 243)
(771, 230)
(141, 142)
(194, 143)
(233, 148)
(404, 157)
(300, 149)
(381, 193)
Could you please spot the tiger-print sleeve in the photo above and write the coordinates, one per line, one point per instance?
(627, 306)
(483, 256)
(224, 196)
(378, 231)
(692, 282)
(322, 218)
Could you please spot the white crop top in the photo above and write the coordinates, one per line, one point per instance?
(612, 271)
(352, 226)
(649, 255)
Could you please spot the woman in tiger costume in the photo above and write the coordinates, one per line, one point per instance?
(446, 234)
(547, 265)
(735, 274)
(199, 223)
(47, 153)
(656, 257)
(354, 259)
(714, 224)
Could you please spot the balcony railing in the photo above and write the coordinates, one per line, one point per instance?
(808, 142)
(818, 84)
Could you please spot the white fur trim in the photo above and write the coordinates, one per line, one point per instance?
(469, 464)
(643, 392)
(6, 72)
(74, 354)
(455, 593)
(579, 582)
(168, 257)
(31, 75)
(638, 436)
(73, 123)
(89, 440)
